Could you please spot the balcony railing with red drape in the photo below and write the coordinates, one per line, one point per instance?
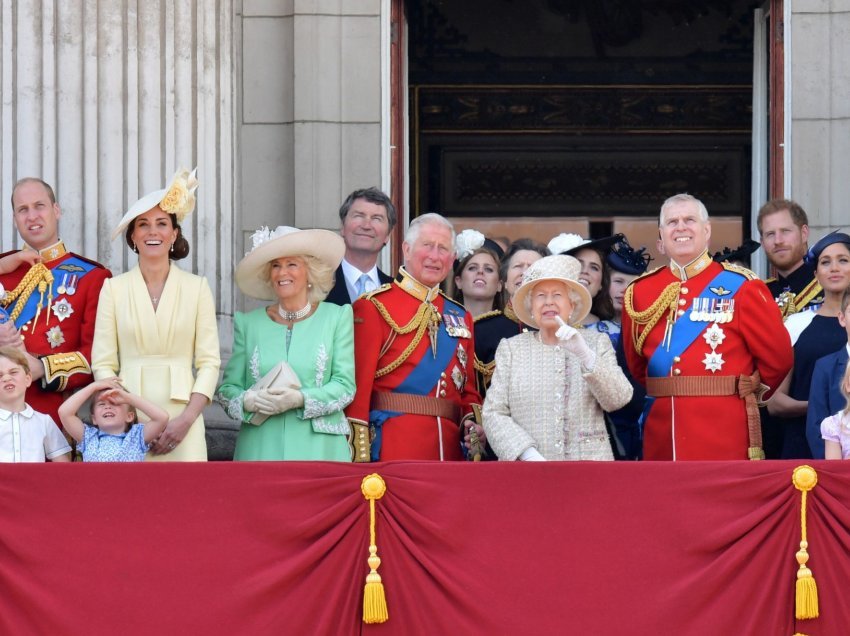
(495, 548)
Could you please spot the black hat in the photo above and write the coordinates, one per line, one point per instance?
(626, 259)
(569, 244)
(814, 252)
(742, 253)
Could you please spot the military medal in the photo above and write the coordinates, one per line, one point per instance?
(62, 286)
(62, 309)
(55, 337)
(72, 286)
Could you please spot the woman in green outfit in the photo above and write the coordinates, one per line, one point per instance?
(286, 415)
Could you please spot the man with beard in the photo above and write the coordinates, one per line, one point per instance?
(784, 229)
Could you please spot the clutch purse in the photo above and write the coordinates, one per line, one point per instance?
(280, 376)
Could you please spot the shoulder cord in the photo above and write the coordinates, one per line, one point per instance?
(38, 273)
(427, 314)
(653, 314)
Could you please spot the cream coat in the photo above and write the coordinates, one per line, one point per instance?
(541, 397)
(155, 352)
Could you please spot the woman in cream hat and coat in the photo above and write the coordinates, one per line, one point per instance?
(304, 344)
(551, 387)
(156, 326)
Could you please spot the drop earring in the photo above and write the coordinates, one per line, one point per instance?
(135, 249)
(172, 248)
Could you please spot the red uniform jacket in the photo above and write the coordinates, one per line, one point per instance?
(63, 339)
(703, 427)
(380, 350)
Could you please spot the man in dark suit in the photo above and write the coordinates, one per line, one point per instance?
(825, 397)
(367, 216)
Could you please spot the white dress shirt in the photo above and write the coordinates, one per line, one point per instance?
(30, 436)
(352, 274)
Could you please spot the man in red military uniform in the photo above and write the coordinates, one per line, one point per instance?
(49, 309)
(414, 352)
(702, 337)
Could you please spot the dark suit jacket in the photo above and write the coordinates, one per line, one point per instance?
(339, 293)
(825, 397)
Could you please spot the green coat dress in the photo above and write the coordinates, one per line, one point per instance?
(321, 352)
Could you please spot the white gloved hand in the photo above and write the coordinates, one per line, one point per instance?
(531, 454)
(285, 399)
(258, 402)
(576, 344)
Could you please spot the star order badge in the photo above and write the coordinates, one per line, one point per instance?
(457, 378)
(713, 361)
(62, 309)
(55, 337)
(714, 336)
(461, 355)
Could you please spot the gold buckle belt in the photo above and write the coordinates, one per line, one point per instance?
(416, 405)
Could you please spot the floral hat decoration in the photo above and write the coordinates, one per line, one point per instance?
(177, 199)
(561, 268)
(268, 245)
(470, 240)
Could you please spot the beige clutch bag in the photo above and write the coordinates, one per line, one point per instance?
(280, 376)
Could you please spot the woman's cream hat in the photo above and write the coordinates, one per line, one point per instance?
(177, 199)
(268, 245)
(561, 268)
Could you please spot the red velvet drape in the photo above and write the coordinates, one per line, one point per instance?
(496, 548)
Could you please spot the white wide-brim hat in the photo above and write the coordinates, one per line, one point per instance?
(177, 199)
(268, 245)
(561, 268)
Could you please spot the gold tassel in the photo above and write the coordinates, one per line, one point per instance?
(374, 600)
(806, 599)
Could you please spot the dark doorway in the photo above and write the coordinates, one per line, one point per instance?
(582, 112)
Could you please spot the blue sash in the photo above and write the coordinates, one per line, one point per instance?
(69, 266)
(685, 332)
(421, 380)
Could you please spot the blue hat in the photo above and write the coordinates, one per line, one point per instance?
(626, 259)
(814, 252)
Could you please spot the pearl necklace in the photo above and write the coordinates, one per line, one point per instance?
(292, 316)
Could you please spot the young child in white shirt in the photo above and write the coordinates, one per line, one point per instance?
(25, 435)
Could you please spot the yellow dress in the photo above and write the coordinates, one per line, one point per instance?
(156, 352)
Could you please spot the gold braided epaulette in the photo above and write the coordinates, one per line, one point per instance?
(739, 269)
(489, 314)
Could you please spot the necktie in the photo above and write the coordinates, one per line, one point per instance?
(361, 284)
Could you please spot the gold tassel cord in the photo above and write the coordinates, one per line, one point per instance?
(373, 488)
(37, 274)
(806, 593)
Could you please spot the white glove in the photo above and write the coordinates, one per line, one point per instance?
(531, 454)
(258, 402)
(285, 399)
(576, 344)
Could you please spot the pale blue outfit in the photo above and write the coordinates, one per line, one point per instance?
(98, 446)
(320, 350)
